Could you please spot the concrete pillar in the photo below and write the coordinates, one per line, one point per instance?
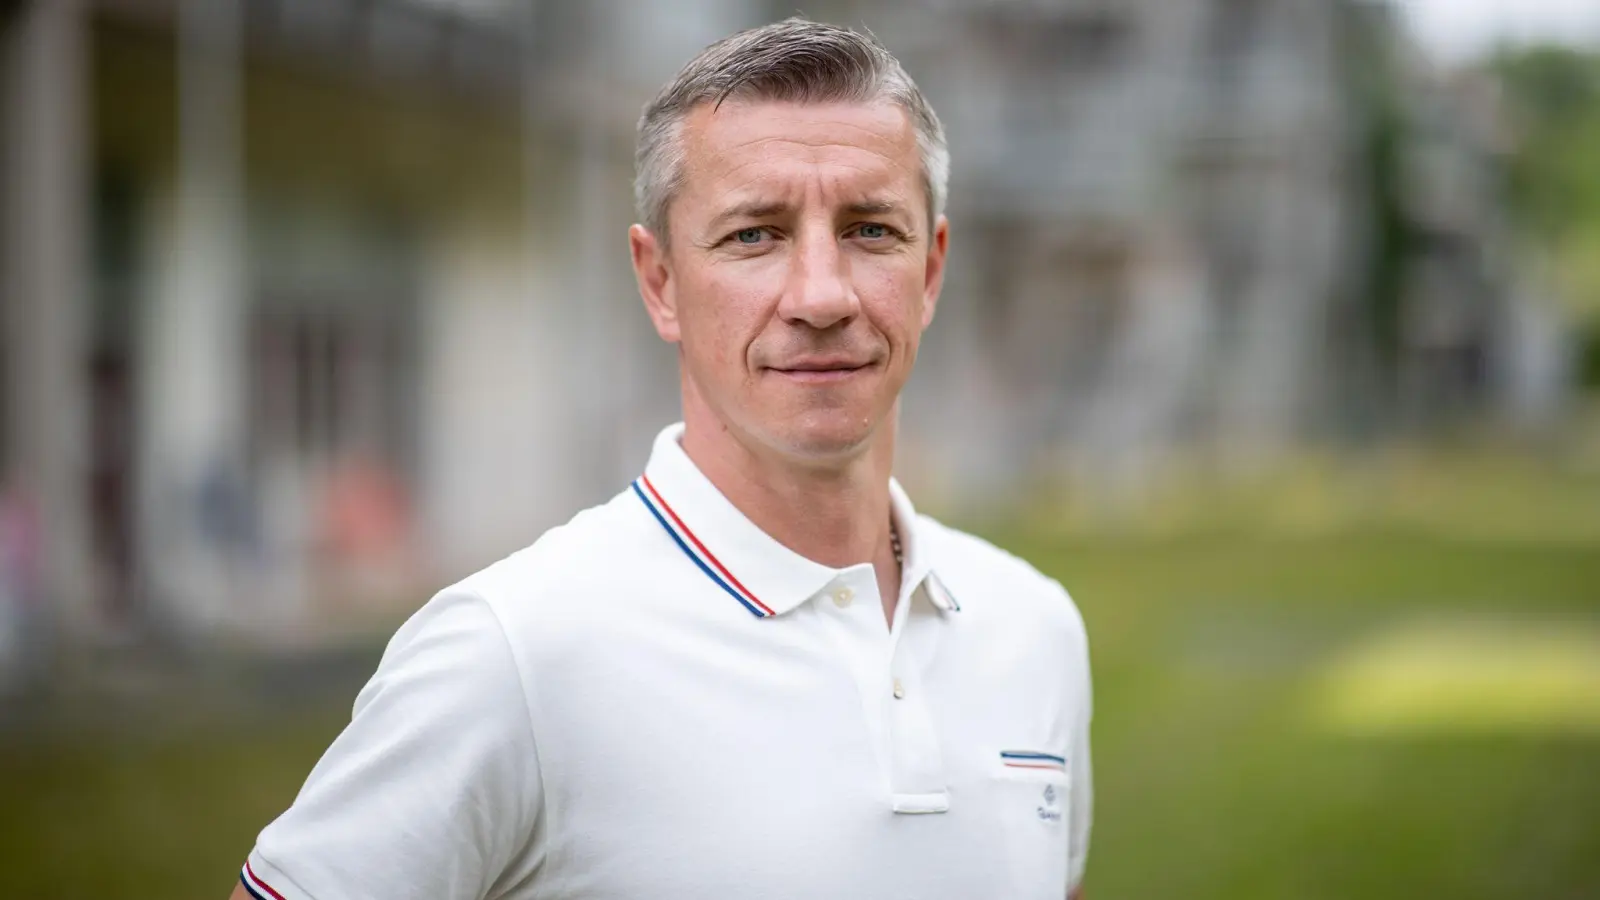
(195, 496)
(45, 246)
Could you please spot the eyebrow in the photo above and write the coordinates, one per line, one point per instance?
(766, 209)
(750, 209)
(873, 207)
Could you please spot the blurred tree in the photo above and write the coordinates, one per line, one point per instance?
(1375, 90)
(1553, 98)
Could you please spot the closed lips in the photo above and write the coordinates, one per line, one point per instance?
(822, 365)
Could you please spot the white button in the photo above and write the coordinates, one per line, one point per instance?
(842, 597)
(899, 689)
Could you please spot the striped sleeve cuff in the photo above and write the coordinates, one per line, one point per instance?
(265, 882)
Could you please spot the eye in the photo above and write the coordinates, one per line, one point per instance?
(873, 231)
(748, 235)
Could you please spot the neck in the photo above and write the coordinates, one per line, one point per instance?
(835, 513)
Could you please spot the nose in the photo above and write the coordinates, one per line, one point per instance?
(819, 292)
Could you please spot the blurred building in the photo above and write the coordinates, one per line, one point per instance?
(1220, 228)
(294, 315)
(312, 304)
(1475, 330)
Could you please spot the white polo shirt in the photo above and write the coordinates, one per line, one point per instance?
(659, 700)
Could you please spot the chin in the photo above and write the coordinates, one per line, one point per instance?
(825, 434)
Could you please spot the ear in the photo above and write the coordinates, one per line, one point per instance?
(933, 274)
(656, 287)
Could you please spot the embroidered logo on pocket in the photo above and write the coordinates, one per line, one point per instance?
(1049, 812)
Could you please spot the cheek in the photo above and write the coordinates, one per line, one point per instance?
(892, 290)
(729, 311)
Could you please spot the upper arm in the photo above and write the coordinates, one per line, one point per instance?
(431, 790)
(1080, 760)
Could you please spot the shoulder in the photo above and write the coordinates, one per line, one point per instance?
(576, 577)
(582, 549)
(991, 582)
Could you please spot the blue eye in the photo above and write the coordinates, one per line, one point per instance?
(873, 231)
(748, 235)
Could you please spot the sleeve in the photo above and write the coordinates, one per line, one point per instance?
(1082, 807)
(432, 790)
(1082, 811)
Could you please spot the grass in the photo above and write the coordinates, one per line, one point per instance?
(148, 816)
(1215, 776)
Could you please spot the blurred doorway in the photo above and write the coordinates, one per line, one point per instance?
(113, 392)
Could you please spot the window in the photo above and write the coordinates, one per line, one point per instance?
(330, 382)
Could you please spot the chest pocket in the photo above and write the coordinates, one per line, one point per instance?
(1033, 793)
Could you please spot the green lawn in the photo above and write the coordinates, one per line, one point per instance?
(1219, 771)
(1215, 777)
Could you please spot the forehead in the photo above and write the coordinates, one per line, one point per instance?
(752, 147)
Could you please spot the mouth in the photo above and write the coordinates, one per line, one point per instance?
(821, 371)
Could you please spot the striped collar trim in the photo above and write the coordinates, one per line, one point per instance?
(938, 594)
(695, 550)
(749, 565)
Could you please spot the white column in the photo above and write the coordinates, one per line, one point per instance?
(45, 291)
(194, 335)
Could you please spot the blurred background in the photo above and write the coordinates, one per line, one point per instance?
(1272, 330)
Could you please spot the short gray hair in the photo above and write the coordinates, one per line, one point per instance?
(795, 60)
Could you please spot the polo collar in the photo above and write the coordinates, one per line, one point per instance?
(749, 565)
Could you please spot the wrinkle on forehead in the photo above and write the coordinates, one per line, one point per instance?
(749, 147)
(814, 124)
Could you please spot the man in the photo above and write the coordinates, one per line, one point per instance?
(756, 672)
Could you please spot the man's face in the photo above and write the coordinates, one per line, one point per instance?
(801, 272)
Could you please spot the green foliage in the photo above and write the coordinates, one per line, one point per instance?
(1382, 131)
(1553, 101)
(1589, 358)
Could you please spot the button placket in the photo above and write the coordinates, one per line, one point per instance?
(884, 666)
(917, 776)
(858, 635)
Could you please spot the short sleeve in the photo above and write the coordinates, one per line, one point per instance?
(1082, 812)
(432, 790)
